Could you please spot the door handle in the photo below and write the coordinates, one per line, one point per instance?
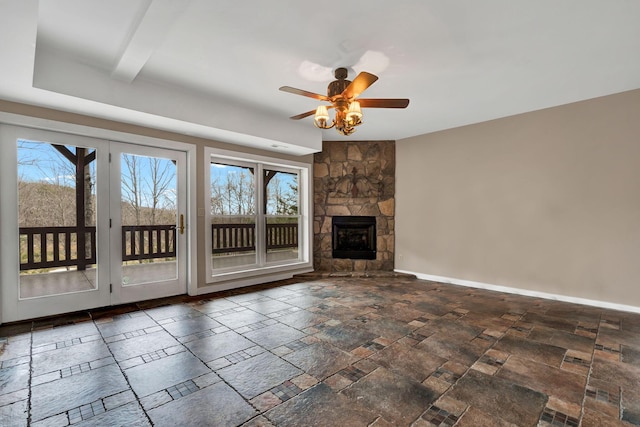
(181, 224)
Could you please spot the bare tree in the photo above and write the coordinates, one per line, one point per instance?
(233, 193)
(282, 198)
(48, 198)
(130, 189)
(217, 197)
(158, 185)
(243, 186)
(148, 190)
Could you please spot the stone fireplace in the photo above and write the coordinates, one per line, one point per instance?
(356, 180)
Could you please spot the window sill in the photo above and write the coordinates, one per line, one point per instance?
(220, 277)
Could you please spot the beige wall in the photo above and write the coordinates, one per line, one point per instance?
(200, 143)
(546, 201)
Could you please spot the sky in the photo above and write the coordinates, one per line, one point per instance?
(40, 162)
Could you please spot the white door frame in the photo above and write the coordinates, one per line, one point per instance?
(14, 308)
(149, 290)
(9, 262)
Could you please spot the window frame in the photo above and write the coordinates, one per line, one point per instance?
(266, 216)
(208, 222)
(261, 267)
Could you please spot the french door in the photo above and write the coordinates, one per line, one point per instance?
(148, 237)
(87, 222)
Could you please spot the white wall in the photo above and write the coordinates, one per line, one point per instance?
(547, 201)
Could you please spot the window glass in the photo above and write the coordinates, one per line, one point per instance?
(282, 221)
(57, 218)
(233, 215)
(149, 215)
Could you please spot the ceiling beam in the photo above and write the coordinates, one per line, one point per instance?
(147, 34)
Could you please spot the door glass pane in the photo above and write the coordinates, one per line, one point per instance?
(282, 220)
(57, 218)
(149, 216)
(233, 216)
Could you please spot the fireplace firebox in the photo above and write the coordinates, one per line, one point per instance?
(354, 237)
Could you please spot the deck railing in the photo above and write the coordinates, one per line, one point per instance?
(140, 242)
(50, 247)
(228, 238)
(281, 236)
(237, 238)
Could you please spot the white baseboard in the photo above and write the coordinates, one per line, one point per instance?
(525, 292)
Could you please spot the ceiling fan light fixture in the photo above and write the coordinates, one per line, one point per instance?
(355, 113)
(321, 118)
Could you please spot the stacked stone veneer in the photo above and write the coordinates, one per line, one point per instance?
(354, 178)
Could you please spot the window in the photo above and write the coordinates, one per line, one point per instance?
(233, 215)
(258, 215)
(281, 214)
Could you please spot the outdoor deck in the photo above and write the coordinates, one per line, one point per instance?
(63, 281)
(67, 281)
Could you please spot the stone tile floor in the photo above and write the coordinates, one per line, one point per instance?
(326, 352)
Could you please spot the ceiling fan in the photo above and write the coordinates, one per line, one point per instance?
(343, 94)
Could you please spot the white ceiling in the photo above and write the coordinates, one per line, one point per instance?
(213, 68)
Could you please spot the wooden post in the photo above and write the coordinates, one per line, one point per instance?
(83, 195)
(80, 212)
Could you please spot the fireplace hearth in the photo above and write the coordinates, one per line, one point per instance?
(354, 237)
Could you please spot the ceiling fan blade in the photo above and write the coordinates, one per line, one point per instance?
(304, 93)
(359, 84)
(307, 114)
(383, 102)
(303, 115)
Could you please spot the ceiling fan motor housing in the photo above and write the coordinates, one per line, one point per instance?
(336, 87)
